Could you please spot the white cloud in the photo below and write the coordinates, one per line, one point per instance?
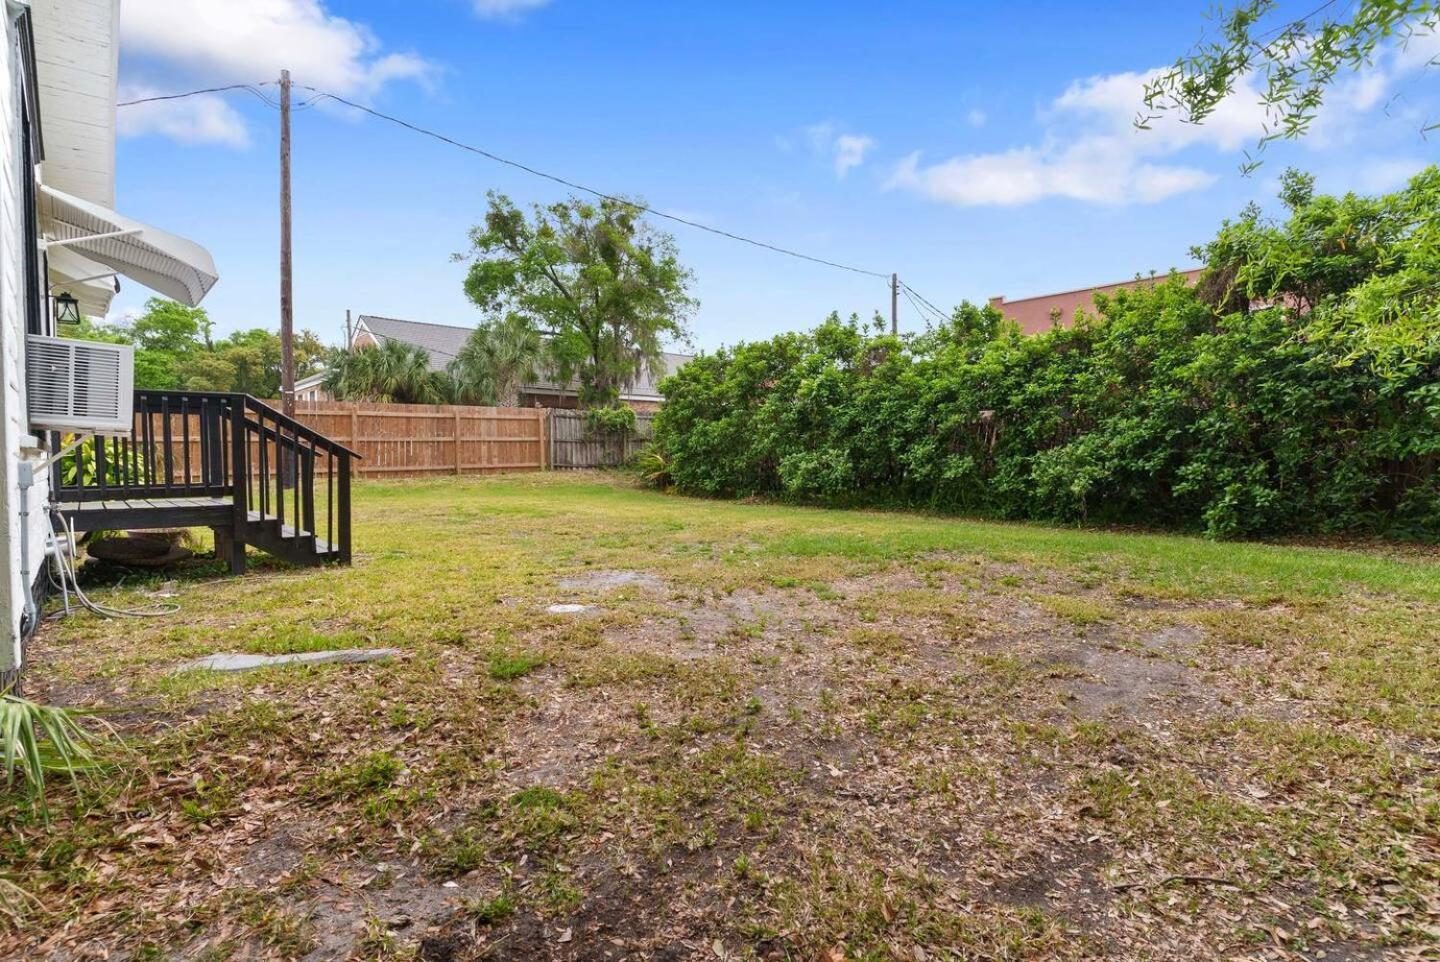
(976, 118)
(850, 151)
(225, 41)
(1090, 151)
(496, 9)
(1418, 52)
(1386, 174)
(844, 150)
(206, 119)
(1110, 104)
(1089, 171)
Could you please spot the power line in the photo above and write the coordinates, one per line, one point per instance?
(426, 132)
(427, 350)
(930, 308)
(248, 88)
(914, 303)
(938, 312)
(321, 94)
(927, 312)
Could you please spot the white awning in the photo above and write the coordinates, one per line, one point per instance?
(176, 267)
(90, 283)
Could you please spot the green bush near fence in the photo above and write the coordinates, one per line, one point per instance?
(1170, 406)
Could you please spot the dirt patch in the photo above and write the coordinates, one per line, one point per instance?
(641, 908)
(1062, 877)
(564, 735)
(1134, 687)
(609, 579)
(1174, 640)
(407, 907)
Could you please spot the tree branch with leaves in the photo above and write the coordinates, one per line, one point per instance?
(1296, 60)
(603, 286)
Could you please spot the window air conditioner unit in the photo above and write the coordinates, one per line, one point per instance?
(84, 387)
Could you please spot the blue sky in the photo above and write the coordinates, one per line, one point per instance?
(977, 149)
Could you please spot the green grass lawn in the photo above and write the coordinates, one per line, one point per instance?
(776, 732)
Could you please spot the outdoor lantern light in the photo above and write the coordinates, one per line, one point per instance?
(67, 309)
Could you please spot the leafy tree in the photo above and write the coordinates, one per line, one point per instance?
(393, 372)
(1297, 60)
(175, 348)
(249, 361)
(607, 285)
(497, 360)
(169, 327)
(1362, 272)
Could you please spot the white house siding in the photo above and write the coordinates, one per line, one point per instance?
(76, 57)
(12, 334)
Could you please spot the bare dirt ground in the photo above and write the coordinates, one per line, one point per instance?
(752, 747)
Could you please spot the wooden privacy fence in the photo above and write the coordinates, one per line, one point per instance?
(572, 445)
(418, 440)
(425, 439)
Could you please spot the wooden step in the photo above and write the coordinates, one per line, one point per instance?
(282, 540)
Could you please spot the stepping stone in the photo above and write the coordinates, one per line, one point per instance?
(232, 662)
(567, 609)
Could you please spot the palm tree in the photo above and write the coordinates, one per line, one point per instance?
(497, 361)
(391, 371)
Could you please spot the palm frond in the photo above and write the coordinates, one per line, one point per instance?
(39, 740)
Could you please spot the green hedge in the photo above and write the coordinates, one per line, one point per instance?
(1160, 410)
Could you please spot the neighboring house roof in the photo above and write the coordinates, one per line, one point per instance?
(444, 341)
(441, 341)
(1034, 314)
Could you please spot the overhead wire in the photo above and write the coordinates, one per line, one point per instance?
(248, 88)
(943, 316)
(573, 185)
(317, 95)
(427, 350)
(914, 303)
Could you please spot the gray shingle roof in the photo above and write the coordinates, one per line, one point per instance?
(444, 341)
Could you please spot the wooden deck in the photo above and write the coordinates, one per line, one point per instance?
(140, 514)
(227, 462)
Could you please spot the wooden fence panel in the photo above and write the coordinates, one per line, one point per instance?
(572, 446)
(400, 440)
(418, 440)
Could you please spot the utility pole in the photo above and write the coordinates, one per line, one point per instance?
(895, 304)
(348, 335)
(287, 302)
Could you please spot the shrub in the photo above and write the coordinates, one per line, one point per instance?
(1166, 407)
(653, 466)
(610, 421)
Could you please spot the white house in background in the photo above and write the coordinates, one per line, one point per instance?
(442, 342)
(311, 388)
(59, 236)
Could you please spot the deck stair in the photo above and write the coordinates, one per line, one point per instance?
(229, 462)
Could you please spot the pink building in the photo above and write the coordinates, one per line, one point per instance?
(1036, 314)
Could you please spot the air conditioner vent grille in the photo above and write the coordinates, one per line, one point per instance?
(82, 386)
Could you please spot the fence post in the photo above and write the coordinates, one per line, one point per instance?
(457, 441)
(355, 429)
(542, 424)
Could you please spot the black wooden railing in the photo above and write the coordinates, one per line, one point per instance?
(198, 444)
(285, 460)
